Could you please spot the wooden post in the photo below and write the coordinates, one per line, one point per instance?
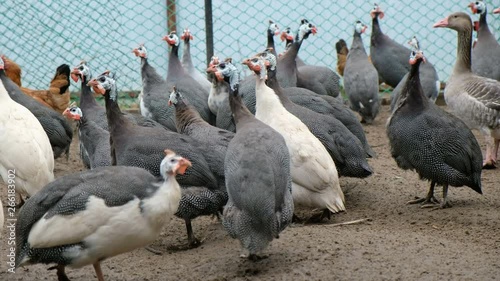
(209, 30)
(171, 16)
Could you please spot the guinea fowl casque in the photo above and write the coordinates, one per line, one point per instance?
(431, 141)
(27, 160)
(176, 76)
(94, 140)
(187, 62)
(55, 125)
(486, 53)
(315, 182)
(132, 145)
(361, 79)
(258, 208)
(212, 142)
(474, 99)
(87, 217)
(391, 61)
(343, 147)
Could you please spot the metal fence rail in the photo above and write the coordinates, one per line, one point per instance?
(40, 35)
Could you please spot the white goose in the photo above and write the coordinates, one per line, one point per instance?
(315, 180)
(24, 146)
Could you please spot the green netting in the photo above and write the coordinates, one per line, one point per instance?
(40, 35)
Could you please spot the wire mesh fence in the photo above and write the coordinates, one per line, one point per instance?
(40, 35)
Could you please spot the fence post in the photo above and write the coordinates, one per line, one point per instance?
(171, 16)
(209, 30)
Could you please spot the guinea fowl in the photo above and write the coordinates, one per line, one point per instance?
(154, 93)
(272, 31)
(187, 62)
(474, 99)
(343, 147)
(431, 141)
(288, 37)
(27, 160)
(259, 207)
(94, 140)
(219, 91)
(390, 60)
(132, 145)
(486, 53)
(361, 79)
(315, 181)
(55, 125)
(212, 142)
(87, 217)
(176, 76)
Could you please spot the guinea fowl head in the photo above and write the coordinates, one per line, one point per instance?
(73, 112)
(287, 34)
(174, 97)
(376, 12)
(186, 35)
(258, 65)
(172, 39)
(228, 72)
(140, 51)
(458, 21)
(273, 28)
(360, 27)
(173, 164)
(305, 29)
(477, 7)
(416, 56)
(81, 71)
(104, 82)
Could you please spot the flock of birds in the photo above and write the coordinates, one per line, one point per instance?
(251, 150)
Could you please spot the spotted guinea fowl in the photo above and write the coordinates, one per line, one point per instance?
(94, 140)
(343, 147)
(27, 160)
(132, 145)
(219, 92)
(431, 141)
(474, 99)
(55, 125)
(486, 53)
(212, 142)
(287, 36)
(259, 207)
(154, 93)
(87, 217)
(315, 182)
(176, 76)
(187, 62)
(390, 60)
(361, 79)
(272, 30)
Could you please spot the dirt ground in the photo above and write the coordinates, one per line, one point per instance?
(398, 242)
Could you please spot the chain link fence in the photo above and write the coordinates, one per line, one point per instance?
(40, 35)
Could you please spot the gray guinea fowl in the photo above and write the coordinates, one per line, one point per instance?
(258, 180)
(431, 141)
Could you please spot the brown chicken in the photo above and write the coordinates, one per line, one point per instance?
(56, 97)
(342, 52)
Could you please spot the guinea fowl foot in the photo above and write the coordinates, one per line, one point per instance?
(426, 202)
(194, 243)
(61, 274)
(318, 218)
(254, 257)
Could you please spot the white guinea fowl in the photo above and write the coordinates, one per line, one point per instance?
(84, 218)
(25, 148)
(315, 180)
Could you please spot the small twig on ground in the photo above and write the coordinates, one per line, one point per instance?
(349, 222)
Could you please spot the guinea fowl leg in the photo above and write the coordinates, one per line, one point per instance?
(429, 200)
(193, 242)
(317, 218)
(489, 161)
(61, 274)
(98, 271)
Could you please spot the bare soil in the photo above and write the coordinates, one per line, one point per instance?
(398, 242)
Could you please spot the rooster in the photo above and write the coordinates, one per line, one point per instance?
(56, 97)
(342, 52)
